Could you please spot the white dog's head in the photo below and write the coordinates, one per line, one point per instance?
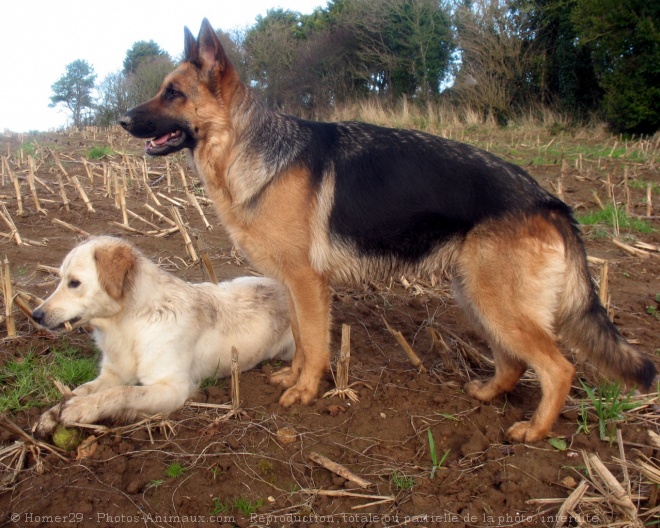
(94, 278)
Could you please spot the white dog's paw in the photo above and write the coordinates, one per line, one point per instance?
(47, 422)
(79, 409)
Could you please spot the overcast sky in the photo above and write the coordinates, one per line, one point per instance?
(38, 38)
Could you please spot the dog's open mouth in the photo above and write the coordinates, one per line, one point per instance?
(165, 143)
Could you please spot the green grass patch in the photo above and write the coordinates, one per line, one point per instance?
(610, 406)
(611, 217)
(27, 381)
(174, 470)
(29, 149)
(99, 152)
(402, 482)
(643, 185)
(239, 505)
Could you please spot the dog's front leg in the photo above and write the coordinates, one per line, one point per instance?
(106, 379)
(126, 402)
(310, 301)
(288, 376)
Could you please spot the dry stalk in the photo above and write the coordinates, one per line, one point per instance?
(82, 194)
(90, 173)
(178, 203)
(235, 381)
(649, 199)
(33, 189)
(160, 215)
(346, 493)
(6, 218)
(7, 289)
(16, 183)
(150, 194)
(648, 247)
(190, 248)
(59, 163)
(122, 205)
(338, 469)
(24, 307)
(193, 201)
(567, 508)
(71, 227)
(115, 186)
(597, 199)
(65, 199)
(609, 487)
(141, 219)
(343, 389)
(629, 249)
(205, 260)
(128, 228)
(168, 171)
(184, 180)
(443, 350)
(405, 346)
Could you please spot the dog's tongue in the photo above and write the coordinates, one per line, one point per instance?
(161, 139)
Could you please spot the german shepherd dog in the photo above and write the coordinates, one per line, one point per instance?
(312, 203)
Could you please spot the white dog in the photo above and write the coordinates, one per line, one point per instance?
(159, 336)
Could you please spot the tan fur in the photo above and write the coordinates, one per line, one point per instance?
(522, 277)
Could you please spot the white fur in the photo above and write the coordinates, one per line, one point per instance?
(162, 337)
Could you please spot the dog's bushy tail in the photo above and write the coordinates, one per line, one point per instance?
(584, 325)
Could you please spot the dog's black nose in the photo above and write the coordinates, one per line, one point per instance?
(38, 315)
(125, 121)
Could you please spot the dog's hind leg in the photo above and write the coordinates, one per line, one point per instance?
(508, 280)
(311, 308)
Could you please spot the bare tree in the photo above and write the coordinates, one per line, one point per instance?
(494, 58)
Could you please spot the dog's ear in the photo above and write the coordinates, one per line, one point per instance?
(210, 52)
(190, 49)
(115, 265)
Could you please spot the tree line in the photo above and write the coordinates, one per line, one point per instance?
(501, 58)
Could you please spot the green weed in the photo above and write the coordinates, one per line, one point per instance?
(401, 482)
(29, 148)
(434, 455)
(220, 507)
(155, 483)
(99, 152)
(609, 405)
(174, 470)
(558, 443)
(583, 419)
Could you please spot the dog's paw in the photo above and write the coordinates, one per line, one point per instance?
(297, 394)
(47, 423)
(79, 409)
(526, 432)
(285, 377)
(475, 389)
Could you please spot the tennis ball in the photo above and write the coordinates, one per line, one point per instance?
(67, 439)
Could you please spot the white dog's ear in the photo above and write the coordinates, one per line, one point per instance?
(115, 265)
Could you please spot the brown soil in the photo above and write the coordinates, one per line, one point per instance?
(238, 463)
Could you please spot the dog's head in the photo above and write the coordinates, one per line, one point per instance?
(95, 278)
(193, 97)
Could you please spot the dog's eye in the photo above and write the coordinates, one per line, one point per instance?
(73, 283)
(172, 93)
